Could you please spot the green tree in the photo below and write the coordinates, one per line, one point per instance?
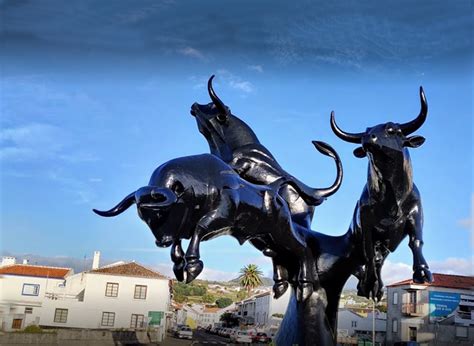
(250, 277)
(223, 302)
(241, 295)
(229, 320)
(179, 298)
(208, 298)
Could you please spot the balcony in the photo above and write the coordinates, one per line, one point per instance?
(411, 309)
(464, 318)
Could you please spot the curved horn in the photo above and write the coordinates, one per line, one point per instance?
(345, 136)
(217, 101)
(119, 208)
(164, 197)
(415, 124)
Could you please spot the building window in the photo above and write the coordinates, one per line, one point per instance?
(394, 326)
(137, 321)
(354, 324)
(30, 290)
(412, 333)
(108, 319)
(461, 332)
(16, 323)
(111, 290)
(60, 315)
(395, 298)
(140, 292)
(28, 310)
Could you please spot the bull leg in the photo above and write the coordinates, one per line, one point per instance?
(288, 239)
(414, 229)
(209, 225)
(381, 252)
(280, 273)
(177, 256)
(280, 278)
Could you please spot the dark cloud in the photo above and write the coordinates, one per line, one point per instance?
(349, 33)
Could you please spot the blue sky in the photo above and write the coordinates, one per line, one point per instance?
(95, 95)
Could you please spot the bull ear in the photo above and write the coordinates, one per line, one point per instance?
(359, 152)
(414, 141)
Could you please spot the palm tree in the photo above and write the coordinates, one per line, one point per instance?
(250, 277)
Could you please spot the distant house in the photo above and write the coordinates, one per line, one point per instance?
(358, 326)
(23, 289)
(440, 313)
(259, 308)
(210, 316)
(122, 295)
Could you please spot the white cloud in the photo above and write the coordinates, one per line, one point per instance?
(193, 53)
(395, 271)
(257, 68)
(398, 271)
(235, 82)
(30, 141)
(452, 265)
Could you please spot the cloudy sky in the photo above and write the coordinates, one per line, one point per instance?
(95, 94)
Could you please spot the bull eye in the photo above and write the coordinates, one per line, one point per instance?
(399, 132)
(221, 118)
(390, 131)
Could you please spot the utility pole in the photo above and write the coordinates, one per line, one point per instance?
(373, 322)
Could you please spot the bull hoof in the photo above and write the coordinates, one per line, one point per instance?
(193, 269)
(304, 291)
(279, 289)
(178, 270)
(422, 275)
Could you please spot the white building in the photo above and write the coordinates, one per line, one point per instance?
(122, 295)
(354, 325)
(22, 292)
(211, 315)
(259, 308)
(441, 313)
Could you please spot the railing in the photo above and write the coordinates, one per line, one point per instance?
(61, 296)
(412, 309)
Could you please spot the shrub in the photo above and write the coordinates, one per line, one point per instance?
(33, 329)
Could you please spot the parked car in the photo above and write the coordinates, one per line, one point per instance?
(184, 333)
(241, 337)
(261, 338)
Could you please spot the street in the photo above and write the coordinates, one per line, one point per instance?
(199, 338)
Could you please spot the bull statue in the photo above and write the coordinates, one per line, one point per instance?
(201, 197)
(389, 208)
(232, 140)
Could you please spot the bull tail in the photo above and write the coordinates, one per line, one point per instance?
(316, 196)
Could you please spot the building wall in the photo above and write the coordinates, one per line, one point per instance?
(88, 313)
(427, 333)
(15, 298)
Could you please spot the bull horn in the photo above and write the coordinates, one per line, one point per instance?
(345, 136)
(415, 124)
(119, 208)
(164, 197)
(217, 101)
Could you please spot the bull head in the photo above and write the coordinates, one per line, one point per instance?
(386, 138)
(154, 208)
(223, 131)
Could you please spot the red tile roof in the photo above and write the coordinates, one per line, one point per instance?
(128, 269)
(36, 271)
(210, 310)
(443, 280)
